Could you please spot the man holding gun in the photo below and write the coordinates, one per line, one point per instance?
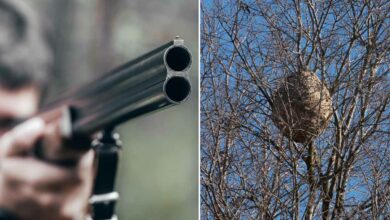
(31, 188)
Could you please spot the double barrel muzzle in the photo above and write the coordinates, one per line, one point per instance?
(177, 87)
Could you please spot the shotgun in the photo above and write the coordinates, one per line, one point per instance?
(153, 81)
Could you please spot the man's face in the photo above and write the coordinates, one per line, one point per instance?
(16, 105)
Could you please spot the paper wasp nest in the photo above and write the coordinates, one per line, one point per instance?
(302, 107)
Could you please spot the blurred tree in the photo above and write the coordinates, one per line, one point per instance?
(105, 18)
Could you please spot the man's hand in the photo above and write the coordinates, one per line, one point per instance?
(34, 189)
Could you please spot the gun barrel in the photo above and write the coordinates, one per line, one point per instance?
(156, 80)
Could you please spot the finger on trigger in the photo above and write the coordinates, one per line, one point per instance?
(22, 138)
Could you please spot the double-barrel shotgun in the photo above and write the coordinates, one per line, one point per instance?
(153, 81)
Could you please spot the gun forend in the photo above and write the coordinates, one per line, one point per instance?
(155, 80)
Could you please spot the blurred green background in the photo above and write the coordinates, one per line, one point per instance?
(158, 175)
